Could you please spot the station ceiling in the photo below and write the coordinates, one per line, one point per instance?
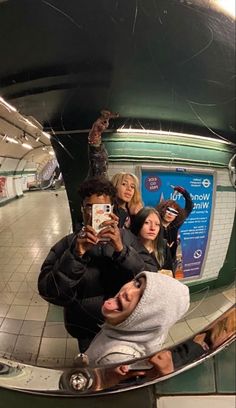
(162, 64)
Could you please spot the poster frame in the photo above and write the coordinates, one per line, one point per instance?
(188, 169)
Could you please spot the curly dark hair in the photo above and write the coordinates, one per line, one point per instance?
(97, 185)
(162, 207)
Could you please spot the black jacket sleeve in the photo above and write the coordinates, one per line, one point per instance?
(61, 273)
(98, 161)
(168, 262)
(186, 353)
(188, 203)
(133, 258)
(141, 259)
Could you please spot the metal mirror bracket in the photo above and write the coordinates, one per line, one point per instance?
(86, 381)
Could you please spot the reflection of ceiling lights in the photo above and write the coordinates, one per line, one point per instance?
(30, 123)
(48, 150)
(165, 133)
(227, 5)
(18, 121)
(46, 134)
(11, 140)
(27, 145)
(7, 105)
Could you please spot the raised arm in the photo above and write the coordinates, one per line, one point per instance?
(97, 154)
(188, 200)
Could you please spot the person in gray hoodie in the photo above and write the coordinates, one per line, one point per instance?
(138, 318)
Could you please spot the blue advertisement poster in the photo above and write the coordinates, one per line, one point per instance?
(157, 185)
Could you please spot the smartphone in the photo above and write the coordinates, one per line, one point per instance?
(100, 213)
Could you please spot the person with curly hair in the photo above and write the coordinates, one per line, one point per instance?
(173, 216)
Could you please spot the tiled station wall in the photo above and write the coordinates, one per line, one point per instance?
(17, 173)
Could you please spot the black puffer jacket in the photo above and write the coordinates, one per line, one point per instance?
(168, 263)
(81, 284)
(98, 166)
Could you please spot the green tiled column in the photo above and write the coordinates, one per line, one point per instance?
(225, 370)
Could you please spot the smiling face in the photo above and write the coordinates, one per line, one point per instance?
(126, 189)
(117, 309)
(150, 228)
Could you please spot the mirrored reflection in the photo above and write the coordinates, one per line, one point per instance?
(32, 330)
(164, 363)
(133, 373)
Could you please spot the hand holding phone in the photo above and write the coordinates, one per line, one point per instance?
(100, 214)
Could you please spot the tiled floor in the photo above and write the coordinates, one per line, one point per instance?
(32, 331)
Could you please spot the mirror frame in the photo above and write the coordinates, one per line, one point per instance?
(49, 381)
(84, 381)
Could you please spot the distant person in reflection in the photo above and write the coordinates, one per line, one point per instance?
(219, 331)
(147, 226)
(81, 270)
(166, 361)
(173, 216)
(128, 199)
(138, 318)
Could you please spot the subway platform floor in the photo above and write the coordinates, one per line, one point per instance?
(31, 330)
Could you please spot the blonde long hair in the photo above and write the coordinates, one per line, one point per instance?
(118, 179)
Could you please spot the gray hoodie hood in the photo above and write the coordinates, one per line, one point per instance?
(164, 301)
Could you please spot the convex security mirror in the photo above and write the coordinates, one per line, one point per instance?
(59, 89)
(91, 381)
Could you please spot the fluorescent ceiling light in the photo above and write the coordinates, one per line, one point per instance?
(7, 104)
(165, 133)
(46, 134)
(27, 146)
(30, 123)
(11, 140)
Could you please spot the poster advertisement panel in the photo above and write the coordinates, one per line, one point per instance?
(3, 188)
(157, 185)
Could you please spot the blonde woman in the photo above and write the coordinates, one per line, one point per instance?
(128, 201)
(128, 198)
